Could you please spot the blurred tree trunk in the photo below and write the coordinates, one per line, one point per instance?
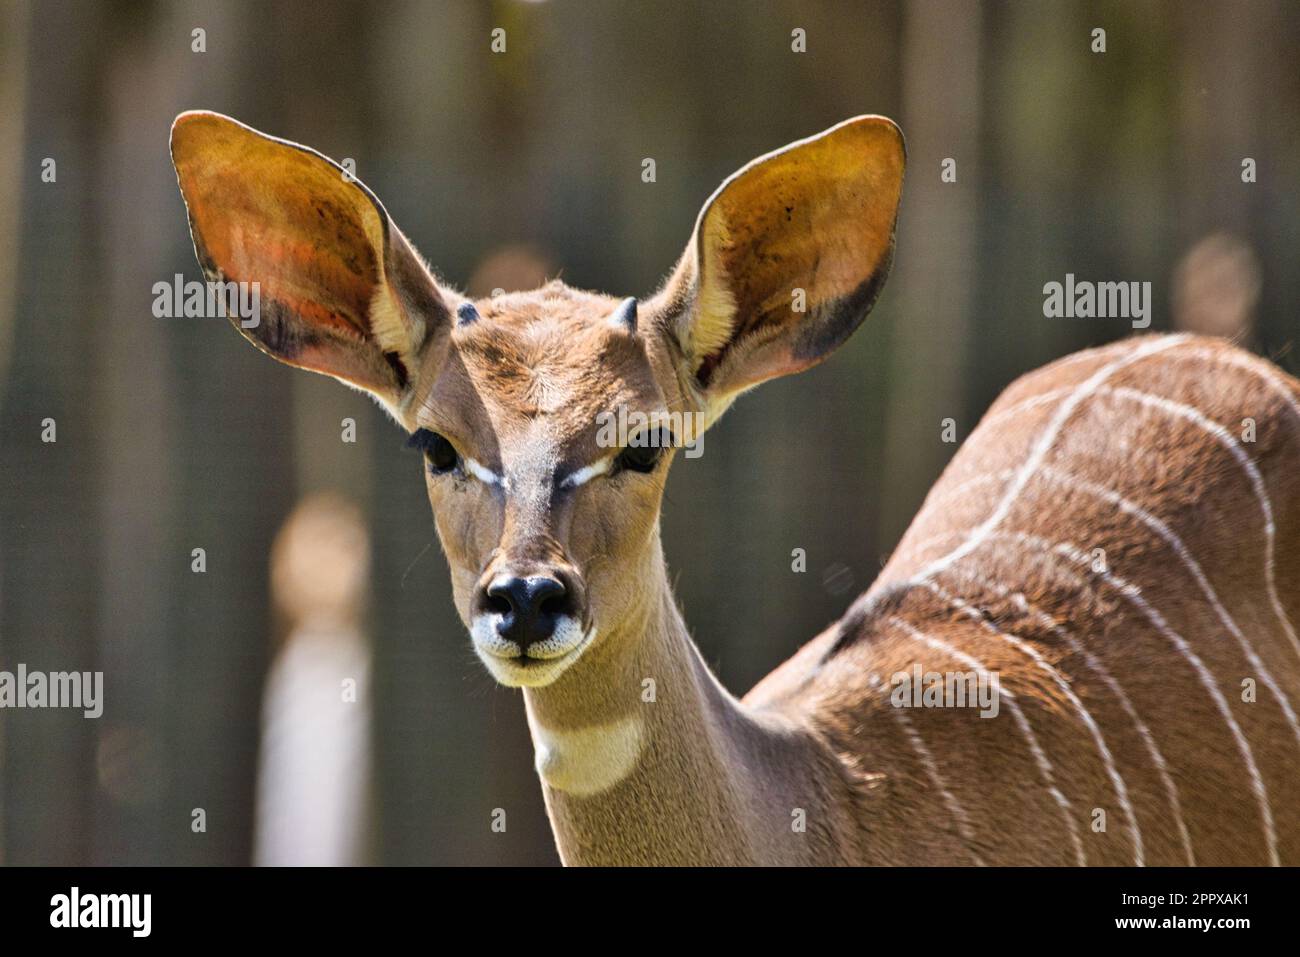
(48, 504)
(1237, 95)
(228, 495)
(15, 14)
(13, 92)
(935, 290)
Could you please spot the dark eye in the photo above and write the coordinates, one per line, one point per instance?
(438, 452)
(644, 451)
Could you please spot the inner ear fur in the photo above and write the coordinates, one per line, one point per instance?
(819, 216)
(342, 291)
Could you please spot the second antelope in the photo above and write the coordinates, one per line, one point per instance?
(1109, 542)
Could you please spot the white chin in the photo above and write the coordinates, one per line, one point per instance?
(546, 662)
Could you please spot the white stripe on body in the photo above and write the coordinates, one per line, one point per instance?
(962, 819)
(1134, 596)
(1117, 781)
(1077, 395)
(1176, 544)
(1040, 758)
(1047, 621)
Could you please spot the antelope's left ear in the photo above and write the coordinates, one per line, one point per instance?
(787, 258)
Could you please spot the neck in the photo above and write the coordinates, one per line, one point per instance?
(646, 759)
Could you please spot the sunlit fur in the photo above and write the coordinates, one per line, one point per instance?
(1122, 681)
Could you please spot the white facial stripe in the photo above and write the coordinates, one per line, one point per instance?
(538, 456)
(586, 473)
(483, 473)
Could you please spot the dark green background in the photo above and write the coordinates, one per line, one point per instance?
(175, 434)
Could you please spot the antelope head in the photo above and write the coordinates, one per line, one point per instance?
(548, 515)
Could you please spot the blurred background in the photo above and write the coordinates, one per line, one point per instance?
(311, 691)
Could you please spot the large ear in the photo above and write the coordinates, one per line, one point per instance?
(787, 258)
(341, 290)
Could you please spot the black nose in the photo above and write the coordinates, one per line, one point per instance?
(528, 608)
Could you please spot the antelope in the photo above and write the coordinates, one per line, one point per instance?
(1118, 541)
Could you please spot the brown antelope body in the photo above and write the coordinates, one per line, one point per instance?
(1118, 543)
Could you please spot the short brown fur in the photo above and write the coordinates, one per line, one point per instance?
(816, 766)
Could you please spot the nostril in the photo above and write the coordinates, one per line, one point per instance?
(547, 596)
(497, 603)
(506, 595)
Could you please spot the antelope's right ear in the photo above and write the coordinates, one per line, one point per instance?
(341, 290)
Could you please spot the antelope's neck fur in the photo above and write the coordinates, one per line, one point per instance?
(646, 759)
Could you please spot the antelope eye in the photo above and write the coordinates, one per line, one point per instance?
(438, 452)
(643, 452)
